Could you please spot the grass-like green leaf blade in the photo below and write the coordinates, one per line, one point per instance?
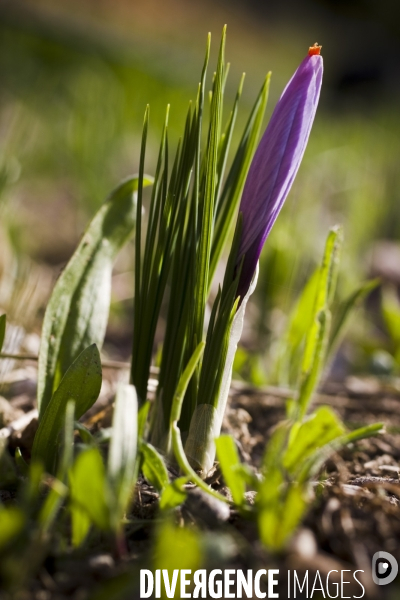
(231, 468)
(153, 467)
(204, 249)
(324, 292)
(21, 464)
(313, 464)
(2, 330)
(318, 333)
(236, 178)
(310, 378)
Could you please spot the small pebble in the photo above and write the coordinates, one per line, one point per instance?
(207, 509)
(304, 544)
(101, 561)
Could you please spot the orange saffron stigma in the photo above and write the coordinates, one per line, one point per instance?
(313, 50)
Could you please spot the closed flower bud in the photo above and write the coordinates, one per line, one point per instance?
(276, 161)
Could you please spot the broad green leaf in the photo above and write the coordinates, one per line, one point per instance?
(81, 523)
(269, 500)
(77, 313)
(85, 434)
(58, 490)
(318, 429)
(174, 493)
(277, 522)
(12, 522)
(2, 330)
(153, 467)
(89, 495)
(123, 446)
(276, 446)
(81, 383)
(176, 548)
(280, 502)
(229, 462)
(293, 511)
(272, 487)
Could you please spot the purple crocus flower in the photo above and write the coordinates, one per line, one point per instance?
(276, 161)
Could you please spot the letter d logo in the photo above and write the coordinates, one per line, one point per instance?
(384, 568)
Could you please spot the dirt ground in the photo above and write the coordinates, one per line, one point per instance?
(354, 514)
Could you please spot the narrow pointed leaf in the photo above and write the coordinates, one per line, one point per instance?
(315, 462)
(153, 467)
(235, 180)
(229, 462)
(318, 333)
(208, 203)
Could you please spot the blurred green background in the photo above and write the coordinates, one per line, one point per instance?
(75, 80)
